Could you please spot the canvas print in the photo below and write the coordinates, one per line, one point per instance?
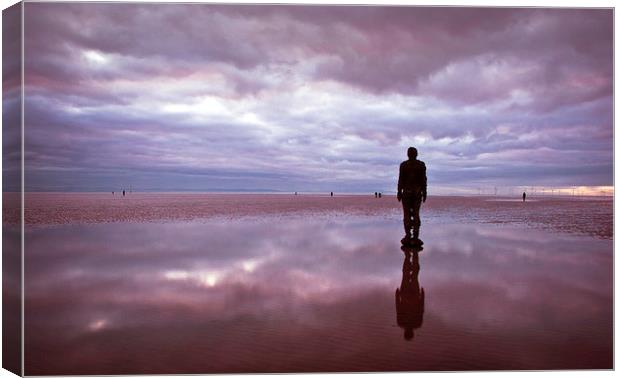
(229, 188)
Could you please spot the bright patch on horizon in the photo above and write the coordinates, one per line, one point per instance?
(209, 279)
(174, 275)
(204, 278)
(250, 265)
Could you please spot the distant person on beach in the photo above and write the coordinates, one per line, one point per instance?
(523, 196)
(331, 194)
(379, 195)
(112, 193)
(123, 192)
(376, 194)
(412, 192)
(409, 296)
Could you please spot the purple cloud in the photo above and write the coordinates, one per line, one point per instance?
(198, 97)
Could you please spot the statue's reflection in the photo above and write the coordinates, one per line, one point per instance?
(410, 297)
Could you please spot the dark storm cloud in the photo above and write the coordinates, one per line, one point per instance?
(312, 97)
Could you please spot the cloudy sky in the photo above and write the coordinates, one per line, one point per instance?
(315, 98)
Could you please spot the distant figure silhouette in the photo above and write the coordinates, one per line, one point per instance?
(412, 192)
(123, 192)
(331, 194)
(112, 193)
(410, 297)
(379, 195)
(523, 196)
(376, 194)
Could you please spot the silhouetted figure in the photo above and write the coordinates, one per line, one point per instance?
(112, 193)
(376, 194)
(123, 192)
(410, 297)
(523, 196)
(379, 195)
(412, 192)
(331, 194)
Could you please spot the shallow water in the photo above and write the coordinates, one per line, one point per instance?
(295, 294)
(582, 215)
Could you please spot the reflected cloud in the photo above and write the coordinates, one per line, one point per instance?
(97, 325)
(311, 294)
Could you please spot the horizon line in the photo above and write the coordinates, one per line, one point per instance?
(357, 193)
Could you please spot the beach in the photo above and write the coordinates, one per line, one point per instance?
(582, 215)
(180, 283)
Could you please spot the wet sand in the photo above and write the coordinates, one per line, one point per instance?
(585, 215)
(277, 291)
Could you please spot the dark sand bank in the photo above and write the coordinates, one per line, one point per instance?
(584, 215)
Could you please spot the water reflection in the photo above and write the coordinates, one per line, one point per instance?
(300, 295)
(410, 297)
